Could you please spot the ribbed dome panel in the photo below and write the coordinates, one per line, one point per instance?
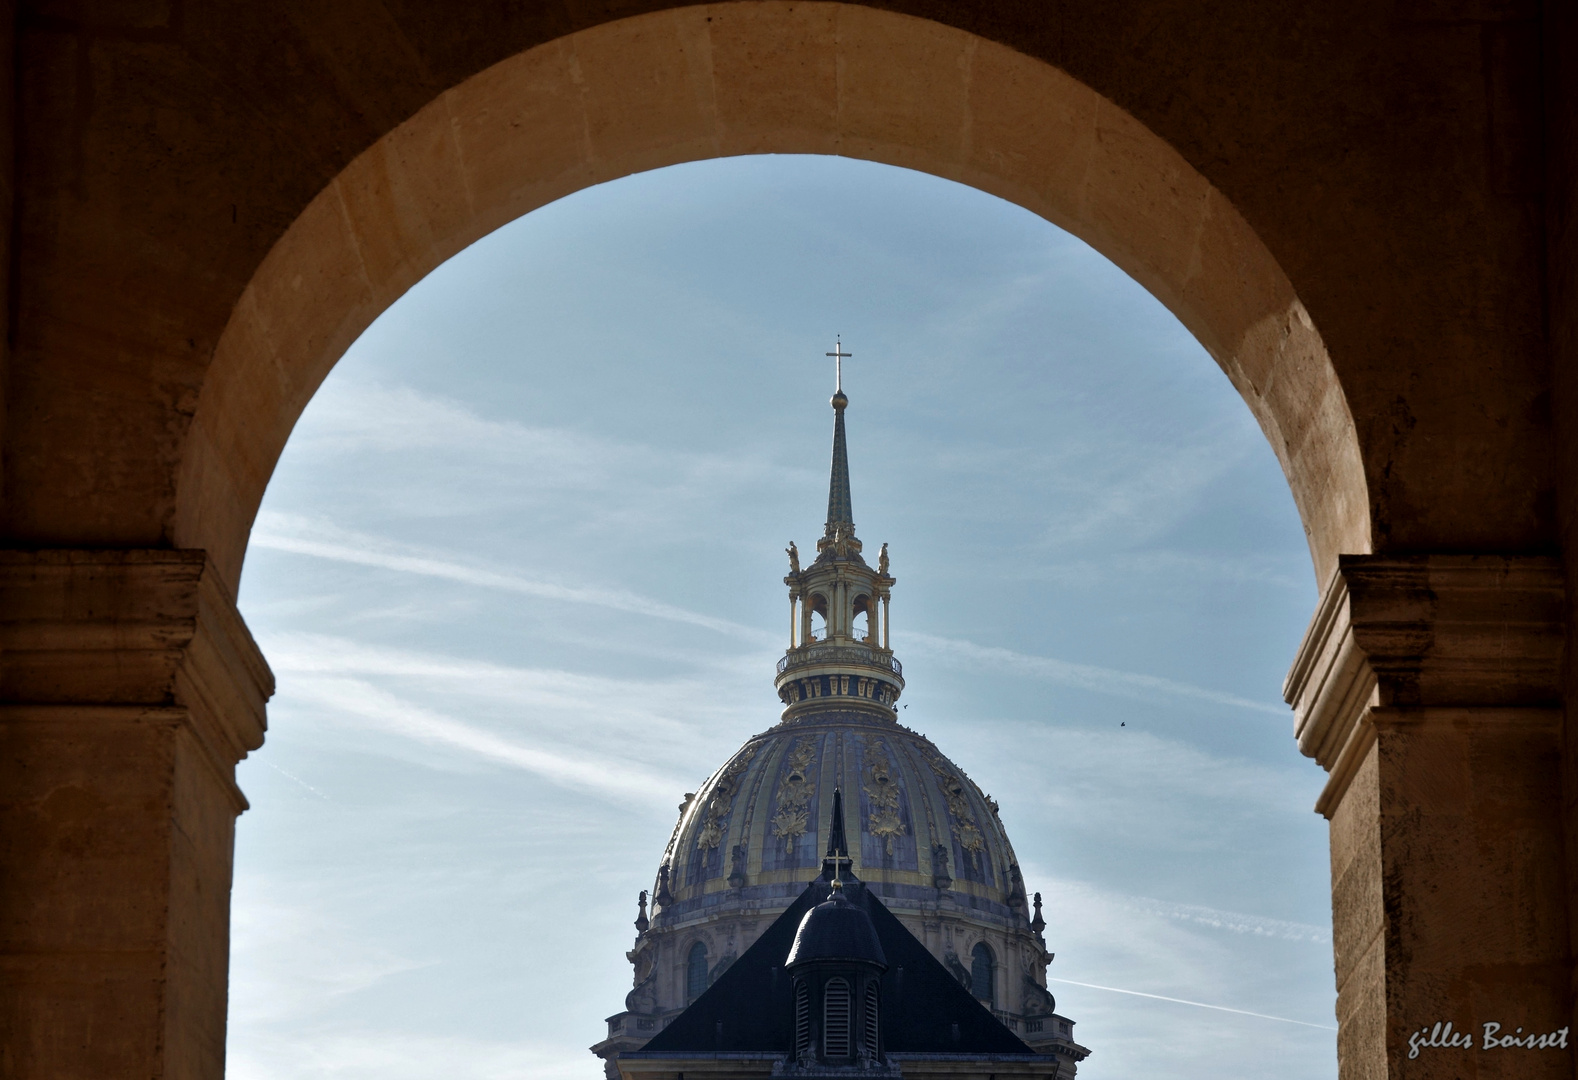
(915, 821)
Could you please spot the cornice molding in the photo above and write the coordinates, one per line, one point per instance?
(1422, 632)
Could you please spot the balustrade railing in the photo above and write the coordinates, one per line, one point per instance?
(857, 652)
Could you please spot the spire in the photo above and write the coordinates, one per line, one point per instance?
(839, 511)
(837, 847)
(838, 502)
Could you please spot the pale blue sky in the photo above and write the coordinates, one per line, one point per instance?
(519, 575)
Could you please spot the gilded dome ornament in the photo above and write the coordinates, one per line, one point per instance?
(794, 793)
(882, 794)
(721, 800)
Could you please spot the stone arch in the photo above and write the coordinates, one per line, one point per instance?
(760, 77)
(861, 605)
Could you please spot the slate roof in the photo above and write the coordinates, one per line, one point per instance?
(749, 1008)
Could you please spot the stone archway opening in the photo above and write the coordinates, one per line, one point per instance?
(661, 89)
(194, 247)
(737, 79)
(466, 298)
(759, 78)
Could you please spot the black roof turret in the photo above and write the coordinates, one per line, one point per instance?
(836, 929)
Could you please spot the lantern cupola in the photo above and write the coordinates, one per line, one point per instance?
(840, 654)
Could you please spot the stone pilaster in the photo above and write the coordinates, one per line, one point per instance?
(129, 689)
(1429, 688)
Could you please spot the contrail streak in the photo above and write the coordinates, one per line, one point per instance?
(363, 550)
(296, 778)
(1103, 680)
(1196, 1004)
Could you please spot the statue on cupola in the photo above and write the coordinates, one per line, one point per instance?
(839, 658)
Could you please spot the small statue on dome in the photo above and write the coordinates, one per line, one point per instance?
(794, 557)
(882, 561)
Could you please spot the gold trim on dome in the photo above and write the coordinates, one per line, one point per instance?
(882, 791)
(721, 800)
(965, 830)
(794, 793)
(908, 748)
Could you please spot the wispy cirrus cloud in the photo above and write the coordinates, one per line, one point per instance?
(1233, 922)
(602, 707)
(375, 707)
(1142, 955)
(457, 463)
(1102, 680)
(318, 539)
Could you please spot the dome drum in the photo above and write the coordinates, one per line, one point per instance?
(871, 677)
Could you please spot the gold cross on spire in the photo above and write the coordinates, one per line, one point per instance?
(839, 356)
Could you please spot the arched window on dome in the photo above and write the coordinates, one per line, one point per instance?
(983, 968)
(835, 1019)
(695, 971)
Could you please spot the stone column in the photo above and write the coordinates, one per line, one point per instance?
(129, 689)
(1428, 687)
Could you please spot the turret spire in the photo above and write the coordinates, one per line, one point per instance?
(839, 511)
(837, 846)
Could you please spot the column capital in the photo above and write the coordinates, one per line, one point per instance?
(1422, 631)
(141, 628)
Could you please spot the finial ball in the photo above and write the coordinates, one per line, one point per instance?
(839, 400)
